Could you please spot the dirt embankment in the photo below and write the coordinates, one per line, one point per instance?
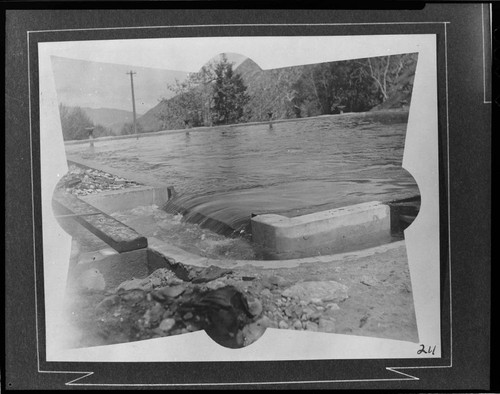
(369, 296)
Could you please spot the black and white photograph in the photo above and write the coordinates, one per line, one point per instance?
(248, 198)
(258, 196)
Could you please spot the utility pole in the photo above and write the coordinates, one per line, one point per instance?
(133, 100)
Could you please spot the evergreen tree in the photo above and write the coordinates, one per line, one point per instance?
(229, 97)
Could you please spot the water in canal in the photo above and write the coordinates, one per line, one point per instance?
(226, 174)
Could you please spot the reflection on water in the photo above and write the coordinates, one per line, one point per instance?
(228, 173)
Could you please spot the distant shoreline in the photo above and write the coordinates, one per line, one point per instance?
(379, 113)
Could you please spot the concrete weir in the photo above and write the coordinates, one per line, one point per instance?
(335, 233)
(113, 201)
(337, 230)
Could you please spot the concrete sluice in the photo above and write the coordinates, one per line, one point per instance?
(277, 236)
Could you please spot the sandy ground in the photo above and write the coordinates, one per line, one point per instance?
(368, 296)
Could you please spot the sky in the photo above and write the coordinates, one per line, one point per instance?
(107, 86)
(82, 83)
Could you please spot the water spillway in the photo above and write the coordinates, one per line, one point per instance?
(225, 175)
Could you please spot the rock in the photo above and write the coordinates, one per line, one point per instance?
(108, 302)
(216, 284)
(134, 295)
(252, 332)
(316, 301)
(308, 311)
(152, 316)
(254, 307)
(267, 322)
(165, 276)
(156, 312)
(315, 315)
(131, 284)
(283, 324)
(266, 293)
(92, 280)
(275, 280)
(332, 306)
(322, 290)
(187, 316)
(158, 333)
(167, 324)
(368, 280)
(326, 325)
(297, 325)
(264, 282)
(297, 310)
(363, 320)
(168, 292)
(311, 326)
(210, 273)
(191, 327)
(72, 182)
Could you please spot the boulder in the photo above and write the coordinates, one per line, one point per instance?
(326, 325)
(283, 324)
(311, 326)
(167, 324)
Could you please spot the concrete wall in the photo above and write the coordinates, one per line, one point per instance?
(333, 231)
(130, 198)
(391, 115)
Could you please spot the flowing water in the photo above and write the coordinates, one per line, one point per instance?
(223, 175)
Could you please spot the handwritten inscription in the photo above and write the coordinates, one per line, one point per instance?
(426, 349)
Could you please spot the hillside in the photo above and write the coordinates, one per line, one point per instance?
(110, 117)
(300, 91)
(150, 121)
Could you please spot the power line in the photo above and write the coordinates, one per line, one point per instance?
(131, 73)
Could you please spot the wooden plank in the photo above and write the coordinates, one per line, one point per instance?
(119, 236)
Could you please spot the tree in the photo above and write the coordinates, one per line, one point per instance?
(352, 85)
(229, 94)
(128, 128)
(271, 91)
(101, 131)
(388, 71)
(74, 121)
(192, 101)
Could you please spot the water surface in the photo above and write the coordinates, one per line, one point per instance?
(293, 168)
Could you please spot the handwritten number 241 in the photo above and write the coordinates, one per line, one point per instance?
(426, 349)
